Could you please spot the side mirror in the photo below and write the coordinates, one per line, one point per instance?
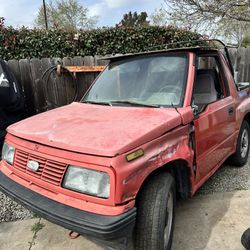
(195, 109)
(243, 85)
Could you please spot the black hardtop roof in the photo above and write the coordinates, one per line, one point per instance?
(163, 51)
(204, 45)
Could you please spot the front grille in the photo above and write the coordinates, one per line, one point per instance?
(49, 171)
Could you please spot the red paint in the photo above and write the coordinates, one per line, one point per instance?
(99, 137)
(190, 81)
(88, 128)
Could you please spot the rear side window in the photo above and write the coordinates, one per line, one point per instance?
(210, 84)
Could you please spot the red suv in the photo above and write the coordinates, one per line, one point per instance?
(153, 125)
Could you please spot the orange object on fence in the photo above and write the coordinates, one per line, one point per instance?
(82, 69)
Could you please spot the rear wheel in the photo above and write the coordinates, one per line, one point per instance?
(239, 158)
(155, 214)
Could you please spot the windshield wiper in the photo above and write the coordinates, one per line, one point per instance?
(135, 103)
(98, 103)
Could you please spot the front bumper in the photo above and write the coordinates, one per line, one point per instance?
(93, 225)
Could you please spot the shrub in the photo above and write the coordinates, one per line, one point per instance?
(27, 43)
(246, 41)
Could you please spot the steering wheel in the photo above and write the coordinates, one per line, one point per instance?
(171, 88)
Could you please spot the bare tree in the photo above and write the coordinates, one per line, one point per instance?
(65, 14)
(159, 17)
(235, 31)
(2, 22)
(199, 12)
(230, 18)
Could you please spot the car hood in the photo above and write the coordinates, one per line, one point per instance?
(97, 130)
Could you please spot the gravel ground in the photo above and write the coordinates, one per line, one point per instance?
(11, 211)
(226, 179)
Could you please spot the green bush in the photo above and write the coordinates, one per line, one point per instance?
(246, 41)
(27, 43)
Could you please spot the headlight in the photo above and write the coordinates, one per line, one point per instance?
(8, 153)
(87, 181)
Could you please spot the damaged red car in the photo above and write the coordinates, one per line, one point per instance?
(153, 126)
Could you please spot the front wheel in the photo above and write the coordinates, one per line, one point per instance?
(239, 158)
(155, 214)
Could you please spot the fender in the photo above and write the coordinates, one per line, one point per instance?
(171, 147)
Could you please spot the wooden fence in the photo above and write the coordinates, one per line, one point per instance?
(241, 63)
(29, 73)
(61, 89)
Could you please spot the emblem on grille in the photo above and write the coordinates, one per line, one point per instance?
(33, 166)
(36, 147)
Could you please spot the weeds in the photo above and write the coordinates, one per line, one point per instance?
(35, 229)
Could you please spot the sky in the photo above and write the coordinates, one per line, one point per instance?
(20, 13)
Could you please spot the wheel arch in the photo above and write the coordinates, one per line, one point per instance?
(247, 118)
(181, 172)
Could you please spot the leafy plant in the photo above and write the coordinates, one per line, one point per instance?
(35, 229)
(27, 43)
(133, 19)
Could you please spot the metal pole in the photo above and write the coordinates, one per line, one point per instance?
(45, 15)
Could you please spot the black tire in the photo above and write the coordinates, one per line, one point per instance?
(152, 213)
(245, 239)
(239, 159)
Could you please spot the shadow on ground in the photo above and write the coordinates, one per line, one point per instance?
(212, 222)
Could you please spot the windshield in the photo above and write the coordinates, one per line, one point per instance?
(155, 81)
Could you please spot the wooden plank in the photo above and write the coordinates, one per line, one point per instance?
(241, 63)
(37, 71)
(80, 77)
(45, 64)
(67, 81)
(101, 63)
(89, 77)
(78, 61)
(233, 56)
(26, 79)
(85, 69)
(55, 84)
(14, 65)
(247, 65)
(84, 79)
(67, 61)
(60, 84)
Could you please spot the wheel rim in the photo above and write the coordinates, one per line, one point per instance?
(169, 219)
(244, 143)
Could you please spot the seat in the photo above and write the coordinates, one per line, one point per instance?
(204, 89)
